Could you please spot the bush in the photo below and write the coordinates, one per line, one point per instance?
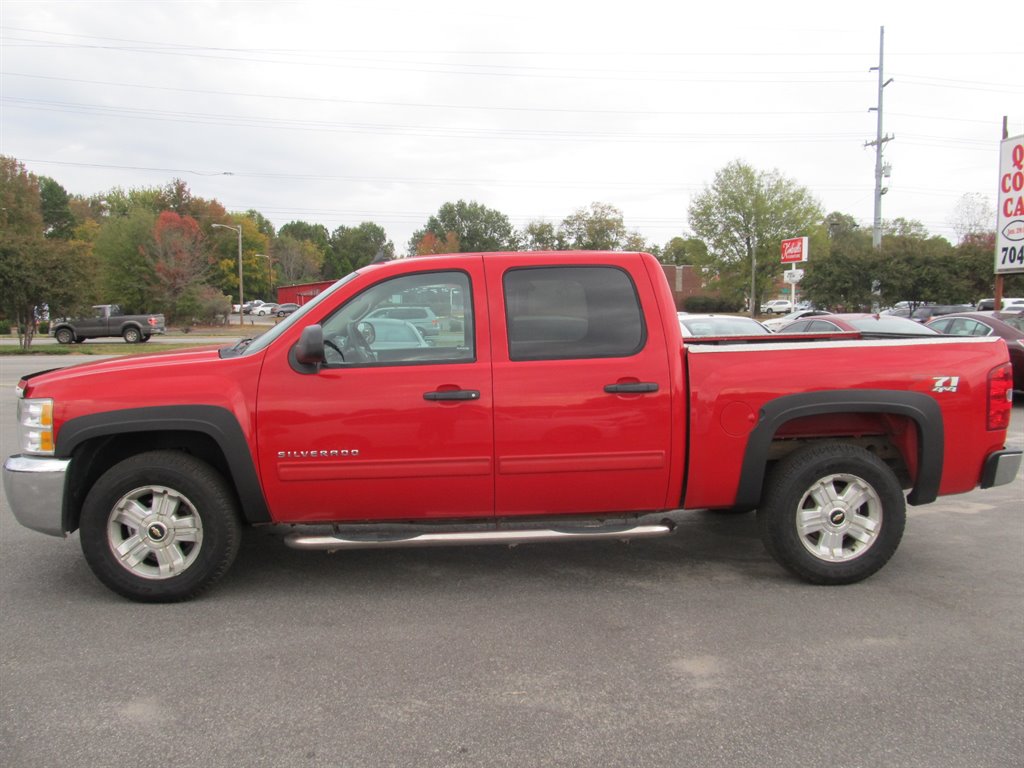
(43, 329)
(5, 327)
(705, 304)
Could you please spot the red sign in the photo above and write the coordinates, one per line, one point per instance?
(794, 249)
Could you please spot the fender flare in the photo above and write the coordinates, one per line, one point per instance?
(214, 421)
(920, 408)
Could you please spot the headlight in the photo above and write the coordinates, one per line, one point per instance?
(35, 426)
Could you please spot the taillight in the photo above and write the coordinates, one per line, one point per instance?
(1000, 396)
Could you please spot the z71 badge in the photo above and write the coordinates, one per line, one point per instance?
(945, 383)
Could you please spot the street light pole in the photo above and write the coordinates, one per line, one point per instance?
(241, 297)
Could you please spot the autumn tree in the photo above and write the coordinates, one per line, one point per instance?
(745, 213)
(179, 259)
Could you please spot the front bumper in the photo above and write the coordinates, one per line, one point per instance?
(1000, 468)
(35, 491)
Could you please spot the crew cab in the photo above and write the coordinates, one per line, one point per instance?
(108, 320)
(560, 402)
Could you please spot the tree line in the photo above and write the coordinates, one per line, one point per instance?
(155, 249)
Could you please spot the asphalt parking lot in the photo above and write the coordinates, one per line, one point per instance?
(693, 650)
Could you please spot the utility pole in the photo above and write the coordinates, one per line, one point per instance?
(878, 143)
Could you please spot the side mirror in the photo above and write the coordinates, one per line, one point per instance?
(308, 351)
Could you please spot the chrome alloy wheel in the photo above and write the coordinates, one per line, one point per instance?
(155, 532)
(839, 518)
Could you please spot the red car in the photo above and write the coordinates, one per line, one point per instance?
(863, 323)
(1008, 326)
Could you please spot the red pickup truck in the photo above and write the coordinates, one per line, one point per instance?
(558, 401)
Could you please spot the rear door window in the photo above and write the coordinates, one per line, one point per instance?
(559, 313)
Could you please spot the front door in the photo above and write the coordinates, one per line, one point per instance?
(394, 426)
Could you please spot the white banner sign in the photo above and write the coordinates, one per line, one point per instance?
(1010, 219)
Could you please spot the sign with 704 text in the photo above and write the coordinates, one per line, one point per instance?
(1010, 219)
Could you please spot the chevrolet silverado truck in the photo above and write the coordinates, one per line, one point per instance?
(107, 320)
(559, 403)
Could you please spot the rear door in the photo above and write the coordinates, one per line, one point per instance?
(581, 387)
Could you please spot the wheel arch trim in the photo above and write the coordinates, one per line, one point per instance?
(213, 421)
(920, 408)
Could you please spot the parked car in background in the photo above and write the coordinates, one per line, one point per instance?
(384, 333)
(777, 307)
(107, 320)
(263, 310)
(927, 312)
(283, 310)
(1009, 305)
(422, 317)
(1008, 326)
(779, 322)
(863, 323)
(719, 325)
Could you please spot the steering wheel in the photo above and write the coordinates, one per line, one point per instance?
(358, 345)
(328, 344)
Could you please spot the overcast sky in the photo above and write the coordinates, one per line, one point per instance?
(343, 112)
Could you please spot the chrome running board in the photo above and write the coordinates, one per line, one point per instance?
(335, 541)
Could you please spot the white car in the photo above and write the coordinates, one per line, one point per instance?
(264, 309)
(780, 322)
(719, 325)
(777, 307)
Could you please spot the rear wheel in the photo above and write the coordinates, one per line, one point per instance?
(832, 513)
(64, 336)
(132, 335)
(160, 527)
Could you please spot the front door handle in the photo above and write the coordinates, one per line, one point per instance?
(453, 394)
(631, 389)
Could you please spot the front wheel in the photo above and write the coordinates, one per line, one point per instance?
(132, 335)
(160, 527)
(832, 513)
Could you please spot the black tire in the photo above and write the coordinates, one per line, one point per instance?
(132, 335)
(173, 517)
(64, 336)
(832, 513)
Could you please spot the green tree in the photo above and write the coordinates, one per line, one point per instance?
(540, 236)
(843, 272)
(684, 250)
(36, 273)
(599, 228)
(127, 275)
(222, 245)
(745, 212)
(295, 261)
(355, 247)
(477, 227)
(58, 221)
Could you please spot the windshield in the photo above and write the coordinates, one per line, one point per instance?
(267, 338)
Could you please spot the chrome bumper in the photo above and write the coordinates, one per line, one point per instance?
(1000, 468)
(35, 491)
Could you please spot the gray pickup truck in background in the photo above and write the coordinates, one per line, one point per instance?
(107, 320)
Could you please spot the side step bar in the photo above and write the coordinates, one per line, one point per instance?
(336, 541)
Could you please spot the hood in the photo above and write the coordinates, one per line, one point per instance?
(120, 366)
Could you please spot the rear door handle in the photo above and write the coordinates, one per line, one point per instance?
(453, 394)
(631, 389)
